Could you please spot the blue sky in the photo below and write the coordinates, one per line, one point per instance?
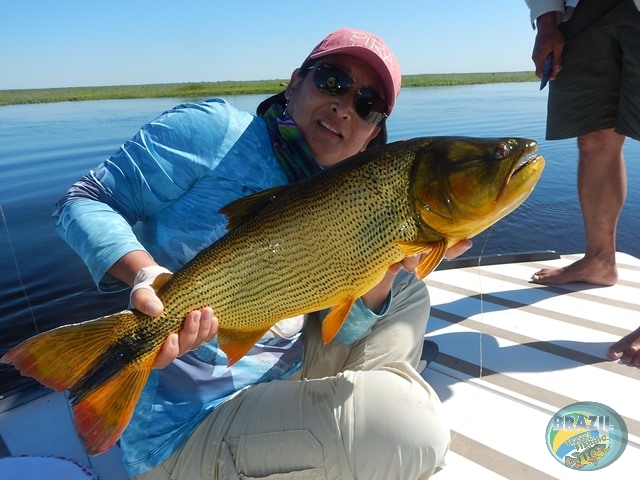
(68, 43)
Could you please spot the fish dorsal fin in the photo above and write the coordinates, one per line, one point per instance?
(241, 210)
(336, 317)
(161, 280)
(433, 253)
(103, 414)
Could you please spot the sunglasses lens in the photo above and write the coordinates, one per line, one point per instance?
(332, 81)
(369, 106)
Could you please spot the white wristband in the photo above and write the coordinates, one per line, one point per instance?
(145, 277)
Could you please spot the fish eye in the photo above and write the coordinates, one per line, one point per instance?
(502, 151)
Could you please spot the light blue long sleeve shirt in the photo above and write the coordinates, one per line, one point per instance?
(161, 192)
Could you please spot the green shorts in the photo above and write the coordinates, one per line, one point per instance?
(599, 84)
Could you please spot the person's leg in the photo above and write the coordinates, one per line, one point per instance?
(383, 424)
(602, 190)
(593, 97)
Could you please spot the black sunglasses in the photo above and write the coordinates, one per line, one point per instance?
(333, 81)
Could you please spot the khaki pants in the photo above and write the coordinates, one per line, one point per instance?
(358, 412)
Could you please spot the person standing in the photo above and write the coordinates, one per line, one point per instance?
(594, 52)
(594, 49)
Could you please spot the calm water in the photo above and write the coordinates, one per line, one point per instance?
(45, 148)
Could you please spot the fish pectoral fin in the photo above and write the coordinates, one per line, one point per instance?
(241, 210)
(433, 253)
(103, 414)
(236, 344)
(415, 248)
(61, 357)
(335, 318)
(431, 259)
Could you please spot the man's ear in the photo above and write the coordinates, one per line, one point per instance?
(293, 83)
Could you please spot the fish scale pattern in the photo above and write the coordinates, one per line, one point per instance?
(316, 244)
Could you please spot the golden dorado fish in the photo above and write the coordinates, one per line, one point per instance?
(320, 243)
(591, 455)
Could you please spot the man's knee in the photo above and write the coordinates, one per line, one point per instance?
(399, 430)
(607, 140)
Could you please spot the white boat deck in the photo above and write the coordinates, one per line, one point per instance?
(511, 355)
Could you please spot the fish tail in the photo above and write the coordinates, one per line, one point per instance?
(80, 357)
(103, 414)
(59, 358)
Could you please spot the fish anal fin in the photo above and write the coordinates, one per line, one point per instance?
(103, 414)
(241, 210)
(235, 344)
(335, 318)
(59, 358)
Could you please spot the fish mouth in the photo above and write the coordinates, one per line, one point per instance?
(524, 162)
(523, 174)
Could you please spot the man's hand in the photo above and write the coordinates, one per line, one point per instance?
(200, 326)
(549, 41)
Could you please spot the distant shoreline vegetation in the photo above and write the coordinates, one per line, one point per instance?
(221, 89)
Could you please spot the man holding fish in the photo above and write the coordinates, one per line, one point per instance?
(368, 414)
(308, 368)
(590, 52)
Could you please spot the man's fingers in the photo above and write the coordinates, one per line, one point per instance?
(146, 301)
(208, 325)
(188, 336)
(458, 249)
(168, 352)
(410, 263)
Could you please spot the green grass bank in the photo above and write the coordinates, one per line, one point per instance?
(201, 90)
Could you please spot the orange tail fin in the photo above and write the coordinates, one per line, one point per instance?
(103, 414)
(60, 357)
(103, 392)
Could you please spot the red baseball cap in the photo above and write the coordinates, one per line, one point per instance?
(369, 48)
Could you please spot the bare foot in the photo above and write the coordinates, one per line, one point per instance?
(627, 349)
(584, 270)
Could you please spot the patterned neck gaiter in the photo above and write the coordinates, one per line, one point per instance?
(288, 145)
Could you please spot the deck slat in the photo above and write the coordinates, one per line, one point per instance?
(513, 353)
